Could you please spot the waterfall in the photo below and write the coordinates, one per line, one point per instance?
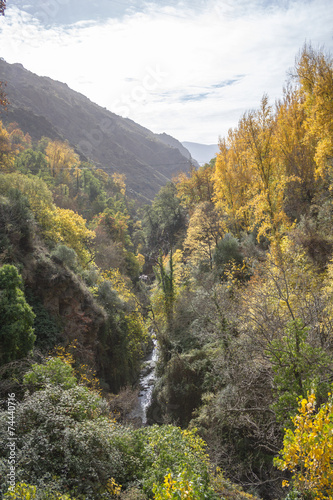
(146, 384)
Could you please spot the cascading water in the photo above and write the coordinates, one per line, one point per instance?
(147, 380)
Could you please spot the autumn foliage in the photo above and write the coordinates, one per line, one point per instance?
(307, 450)
(230, 267)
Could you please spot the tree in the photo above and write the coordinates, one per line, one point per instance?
(2, 7)
(164, 221)
(249, 178)
(37, 193)
(204, 231)
(197, 187)
(73, 429)
(307, 450)
(6, 152)
(299, 368)
(30, 161)
(18, 139)
(166, 282)
(16, 223)
(62, 159)
(295, 154)
(54, 372)
(314, 72)
(70, 228)
(16, 331)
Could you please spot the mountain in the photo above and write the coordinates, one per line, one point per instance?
(174, 143)
(45, 107)
(202, 153)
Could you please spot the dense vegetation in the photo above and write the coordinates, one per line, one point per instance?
(231, 265)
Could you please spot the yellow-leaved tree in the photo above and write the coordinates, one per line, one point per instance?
(37, 193)
(6, 152)
(57, 225)
(204, 231)
(196, 187)
(315, 75)
(70, 228)
(62, 159)
(295, 154)
(307, 450)
(250, 179)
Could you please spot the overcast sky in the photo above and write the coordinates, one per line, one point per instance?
(189, 68)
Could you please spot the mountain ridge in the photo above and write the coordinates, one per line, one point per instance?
(202, 153)
(45, 107)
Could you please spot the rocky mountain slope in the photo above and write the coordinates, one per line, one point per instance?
(44, 107)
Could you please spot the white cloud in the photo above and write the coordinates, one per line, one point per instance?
(147, 64)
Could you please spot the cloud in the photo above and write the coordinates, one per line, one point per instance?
(189, 69)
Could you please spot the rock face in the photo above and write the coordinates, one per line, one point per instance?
(68, 301)
(44, 107)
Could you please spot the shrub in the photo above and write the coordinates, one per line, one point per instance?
(169, 451)
(65, 437)
(67, 256)
(54, 372)
(23, 491)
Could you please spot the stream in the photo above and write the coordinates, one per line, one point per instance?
(146, 384)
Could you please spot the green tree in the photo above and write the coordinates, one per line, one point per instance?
(166, 282)
(298, 367)
(16, 332)
(54, 372)
(30, 161)
(163, 221)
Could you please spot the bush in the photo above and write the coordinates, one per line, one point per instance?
(65, 437)
(170, 451)
(67, 256)
(23, 491)
(226, 250)
(54, 372)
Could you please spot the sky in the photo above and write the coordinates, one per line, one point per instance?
(187, 68)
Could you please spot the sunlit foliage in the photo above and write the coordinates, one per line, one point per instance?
(307, 450)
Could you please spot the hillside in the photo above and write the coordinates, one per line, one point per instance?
(44, 107)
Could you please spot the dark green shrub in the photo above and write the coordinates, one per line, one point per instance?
(227, 250)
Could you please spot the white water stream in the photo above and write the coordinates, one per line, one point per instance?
(147, 381)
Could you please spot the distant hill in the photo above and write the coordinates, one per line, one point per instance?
(202, 153)
(45, 107)
(174, 143)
